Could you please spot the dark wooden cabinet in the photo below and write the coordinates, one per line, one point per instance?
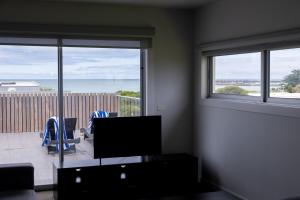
(150, 176)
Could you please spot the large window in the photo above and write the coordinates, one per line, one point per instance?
(271, 74)
(43, 80)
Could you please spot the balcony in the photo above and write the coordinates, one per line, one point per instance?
(23, 117)
(26, 147)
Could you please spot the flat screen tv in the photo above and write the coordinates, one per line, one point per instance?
(127, 136)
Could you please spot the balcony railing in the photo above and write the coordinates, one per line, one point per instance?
(28, 112)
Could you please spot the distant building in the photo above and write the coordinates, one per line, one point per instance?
(19, 86)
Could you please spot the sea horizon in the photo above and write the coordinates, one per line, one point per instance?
(87, 85)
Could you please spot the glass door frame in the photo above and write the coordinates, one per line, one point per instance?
(58, 43)
(143, 86)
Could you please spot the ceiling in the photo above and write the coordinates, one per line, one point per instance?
(158, 3)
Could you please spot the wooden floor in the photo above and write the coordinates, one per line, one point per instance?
(26, 147)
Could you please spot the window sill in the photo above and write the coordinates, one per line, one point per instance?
(280, 109)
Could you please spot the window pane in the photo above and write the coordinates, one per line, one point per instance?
(238, 74)
(285, 73)
(28, 97)
(98, 81)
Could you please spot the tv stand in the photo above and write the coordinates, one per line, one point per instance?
(128, 177)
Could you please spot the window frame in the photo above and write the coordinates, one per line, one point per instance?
(294, 101)
(265, 73)
(210, 70)
(39, 40)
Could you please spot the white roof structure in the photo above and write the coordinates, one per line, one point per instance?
(19, 84)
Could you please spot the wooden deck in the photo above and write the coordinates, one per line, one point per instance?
(26, 147)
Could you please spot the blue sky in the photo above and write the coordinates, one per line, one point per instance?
(29, 62)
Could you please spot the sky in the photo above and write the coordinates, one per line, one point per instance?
(31, 62)
(247, 66)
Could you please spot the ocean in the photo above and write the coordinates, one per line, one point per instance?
(89, 85)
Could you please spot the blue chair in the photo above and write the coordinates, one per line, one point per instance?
(88, 132)
(51, 135)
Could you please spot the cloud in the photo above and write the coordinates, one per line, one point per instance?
(74, 55)
(26, 55)
(41, 62)
(248, 66)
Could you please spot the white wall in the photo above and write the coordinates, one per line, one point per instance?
(252, 154)
(170, 61)
(232, 18)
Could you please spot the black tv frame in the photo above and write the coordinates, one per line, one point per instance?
(127, 136)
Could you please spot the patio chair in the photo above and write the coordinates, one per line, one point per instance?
(88, 132)
(51, 135)
(70, 126)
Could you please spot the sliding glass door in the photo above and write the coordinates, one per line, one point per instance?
(89, 76)
(28, 98)
(106, 81)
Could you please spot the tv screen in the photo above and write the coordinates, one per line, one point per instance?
(127, 136)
